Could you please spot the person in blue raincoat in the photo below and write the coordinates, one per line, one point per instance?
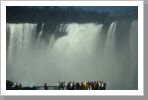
(32, 86)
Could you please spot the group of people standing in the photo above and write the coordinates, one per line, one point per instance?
(17, 87)
(83, 85)
(61, 85)
(70, 86)
(20, 87)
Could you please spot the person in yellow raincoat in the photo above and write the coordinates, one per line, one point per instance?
(85, 83)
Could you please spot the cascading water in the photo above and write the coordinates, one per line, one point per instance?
(22, 39)
(51, 43)
(109, 50)
(74, 57)
(110, 63)
(75, 52)
(133, 40)
(39, 35)
(21, 36)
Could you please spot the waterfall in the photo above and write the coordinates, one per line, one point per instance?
(134, 37)
(81, 39)
(109, 50)
(52, 41)
(76, 50)
(109, 55)
(77, 56)
(39, 35)
(133, 41)
(21, 38)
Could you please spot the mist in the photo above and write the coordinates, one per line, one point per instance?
(84, 53)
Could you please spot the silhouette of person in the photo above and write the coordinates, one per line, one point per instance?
(45, 86)
(20, 86)
(16, 86)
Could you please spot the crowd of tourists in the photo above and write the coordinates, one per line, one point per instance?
(17, 86)
(83, 85)
(96, 85)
